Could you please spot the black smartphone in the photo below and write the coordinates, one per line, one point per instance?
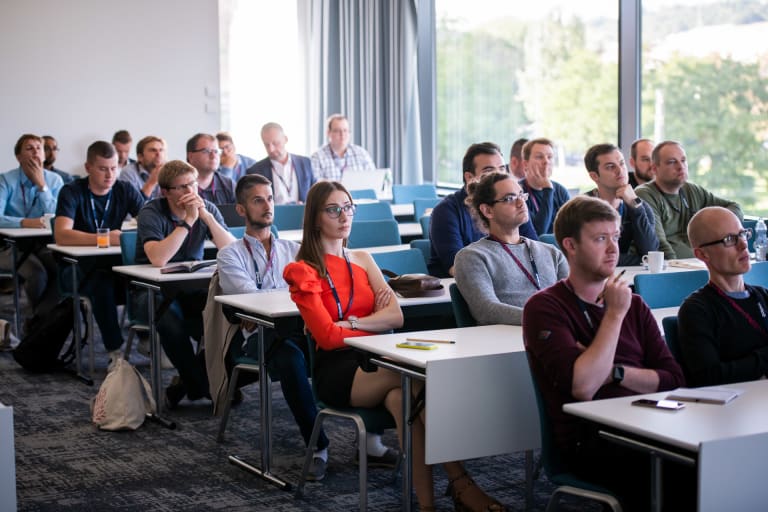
(668, 405)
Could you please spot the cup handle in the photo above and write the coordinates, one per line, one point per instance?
(644, 259)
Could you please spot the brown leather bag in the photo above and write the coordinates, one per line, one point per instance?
(414, 285)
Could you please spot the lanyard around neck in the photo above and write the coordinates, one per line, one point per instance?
(341, 313)
(333, 158)
(100, 223)
(534, 279)
(751, 321)
(270, 259)
(528, 190)
(288, 185)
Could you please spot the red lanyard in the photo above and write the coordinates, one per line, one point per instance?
(751, 321)
(259, 278)
(535, 282)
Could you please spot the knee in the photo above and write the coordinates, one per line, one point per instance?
(393, 401)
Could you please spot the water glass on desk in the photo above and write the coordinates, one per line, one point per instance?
(655, 261)
(102, 238)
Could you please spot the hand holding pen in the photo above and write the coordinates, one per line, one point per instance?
(616, 295)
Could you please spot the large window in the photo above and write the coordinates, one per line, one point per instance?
(705, 84)
(506, 70)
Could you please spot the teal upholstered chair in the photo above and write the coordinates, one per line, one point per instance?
(374, 233)
(423, 206)
(289, 216)
(406, 261)
(758, 274)
(363, 193)
(128, 254)
(407, 193)
(425, 221)
(460, 307)
(373, 211)
(669, 289)
(425, 246)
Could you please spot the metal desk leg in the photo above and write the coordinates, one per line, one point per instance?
(265, 402)
(78, 335)
(16, 298)
(405, 381)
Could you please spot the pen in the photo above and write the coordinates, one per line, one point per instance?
(600, 296)
(429, 341)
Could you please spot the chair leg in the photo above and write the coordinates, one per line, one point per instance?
(310, 451)
(529, 476)
(362, 451)
(129, 344)
(228, 403)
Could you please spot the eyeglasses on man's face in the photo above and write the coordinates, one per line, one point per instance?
(185, 187)
(512, 198)
(731, 239)
(334, 212)
(207, 151)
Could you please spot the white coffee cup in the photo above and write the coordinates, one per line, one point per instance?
(654, 260)
(48, 220)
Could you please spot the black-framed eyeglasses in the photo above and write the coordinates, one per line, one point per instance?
(511, 198)
(186, 186)
(334, 212)
(732, 239)
(206, 151)
(490, 168)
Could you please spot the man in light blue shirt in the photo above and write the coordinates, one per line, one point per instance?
(27, 194)
(151, 152)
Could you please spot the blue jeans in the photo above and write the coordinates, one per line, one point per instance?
(286, 363)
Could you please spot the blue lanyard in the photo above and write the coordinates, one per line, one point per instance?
(270, 259)
(351, 289)
(333, 159)
(96, 221)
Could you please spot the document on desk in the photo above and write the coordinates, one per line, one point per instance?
(713, 395)
(187, 266)
(687, 263)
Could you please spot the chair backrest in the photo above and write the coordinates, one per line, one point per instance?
(406, 261)
(364, 193)
(407, 193)
(750, 224)
(289, 216)
(425, 221)
(423, 206)
(669, 289)
(550, 458)
(424, 245)
(460, 307)
(373, 211)
(128, 247)
(672, 338)
(758, 274)
(374, 233)
(548, 238)
(237, 231)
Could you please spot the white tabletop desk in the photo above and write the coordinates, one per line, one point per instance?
(479, 398)
(728, 443)
(660, 313)
(27, 238)
(407, 230)
(684, 265)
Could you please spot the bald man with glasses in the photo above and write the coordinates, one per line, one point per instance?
(723, 326)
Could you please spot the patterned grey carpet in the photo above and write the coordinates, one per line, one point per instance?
(64, 463)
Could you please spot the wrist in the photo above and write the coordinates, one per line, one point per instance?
(184, 224)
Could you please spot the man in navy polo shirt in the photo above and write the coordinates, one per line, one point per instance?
(97, 200)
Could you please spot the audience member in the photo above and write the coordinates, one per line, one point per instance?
(606, 167)
(342, 293)
(122, 141)
(516, 167)
(203, 155)
(723, 328)
(256, 263)
(233, 164)
(143, 174)
(674, 199)
(291, 175)
(98, 200)
(173, 228)
(602, 342)
(451, 227)
(338, 156)
(545, 196)
(51, 148)
(27, 194)
(497, 274)
(641, 163)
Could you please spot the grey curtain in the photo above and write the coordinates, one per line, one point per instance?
(361, 61)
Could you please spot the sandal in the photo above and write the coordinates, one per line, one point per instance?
(468, 497)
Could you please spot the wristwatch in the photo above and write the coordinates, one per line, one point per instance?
(352, 319)
(637, 201)
(618, 373)
(183, 224)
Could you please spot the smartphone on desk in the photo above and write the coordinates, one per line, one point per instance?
(418, 345)
(667, 405)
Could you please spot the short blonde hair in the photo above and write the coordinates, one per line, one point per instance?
(172, 170)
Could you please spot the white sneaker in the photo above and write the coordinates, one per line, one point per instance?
(113, 357)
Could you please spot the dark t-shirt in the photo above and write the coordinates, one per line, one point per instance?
(74, 202)
(156, 222)
(220, 191)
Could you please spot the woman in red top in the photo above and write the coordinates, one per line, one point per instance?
(341, 294)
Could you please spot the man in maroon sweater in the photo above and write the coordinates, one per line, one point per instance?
(603, 343)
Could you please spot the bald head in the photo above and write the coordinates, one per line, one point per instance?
(706, 225)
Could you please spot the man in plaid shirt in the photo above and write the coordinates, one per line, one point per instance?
(332, 160)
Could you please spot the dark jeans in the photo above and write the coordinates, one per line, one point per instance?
(180, 321)
(286, 363)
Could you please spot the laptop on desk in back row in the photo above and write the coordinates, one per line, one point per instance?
(359, 180)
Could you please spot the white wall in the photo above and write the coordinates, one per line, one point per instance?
(82, 69)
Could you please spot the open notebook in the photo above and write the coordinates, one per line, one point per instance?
(711, 395)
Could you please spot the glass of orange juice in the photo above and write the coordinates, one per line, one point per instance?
(102, 238)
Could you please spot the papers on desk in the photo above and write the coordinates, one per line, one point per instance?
(705, 395)
(186, 266)
(688, 263)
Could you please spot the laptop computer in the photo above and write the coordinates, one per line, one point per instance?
(230, 215)
(359, 180)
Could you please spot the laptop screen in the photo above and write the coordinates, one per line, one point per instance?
(359, 180)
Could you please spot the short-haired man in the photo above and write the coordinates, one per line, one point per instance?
(516, 167)
(606, 167)
(723, 326)
(256, 263)
(338, 156)
(27, 194)
(51, 148)
(497, 274)
(173, 228)
(640, 161)
(98, 200)
(545, 196)
(451, 227)
(122, 141)
(203, 155)
(233, 164)
(291, 175)
(603, 342)
(674, 199)
(144, 174)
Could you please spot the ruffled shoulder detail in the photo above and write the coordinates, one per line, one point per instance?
(302, 278)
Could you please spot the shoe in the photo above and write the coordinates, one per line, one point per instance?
(5, 336)
(389, 460)
(316, 470)
(468, 497)
(174, 393)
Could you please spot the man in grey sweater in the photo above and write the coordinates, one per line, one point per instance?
(497, 274)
